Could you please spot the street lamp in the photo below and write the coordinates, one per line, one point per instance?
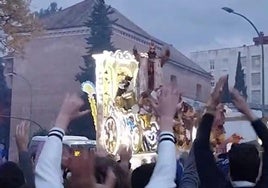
(30, 88)
(260, 35)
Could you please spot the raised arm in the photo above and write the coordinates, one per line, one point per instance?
(260, 129)
(165, 170)
(48, 169)
(190, 177)
(208, 172)
(22, 139)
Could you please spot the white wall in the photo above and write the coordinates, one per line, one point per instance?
(222, 67)
(237, 123)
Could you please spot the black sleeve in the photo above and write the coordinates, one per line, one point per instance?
(262, 133)
(27, 168)
(208, 172)
(190, 176)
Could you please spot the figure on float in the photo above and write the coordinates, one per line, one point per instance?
(126, 84)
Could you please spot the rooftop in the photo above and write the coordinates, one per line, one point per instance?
(76, 16)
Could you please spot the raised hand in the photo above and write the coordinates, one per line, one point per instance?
(235, 138)
(166, 106)
(219, 116)
(125, 153)
(22, 135)
(101, 152)
(215, 96)
(70, 110)
(241, 105)
(239, 101)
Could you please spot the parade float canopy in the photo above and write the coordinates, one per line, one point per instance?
(125, 86)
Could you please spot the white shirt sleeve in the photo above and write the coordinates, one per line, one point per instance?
(48, 169)
(164, 173)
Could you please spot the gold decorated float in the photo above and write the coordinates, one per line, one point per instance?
(119, 119)
(121, 100)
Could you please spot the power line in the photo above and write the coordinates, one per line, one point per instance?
(25, 119)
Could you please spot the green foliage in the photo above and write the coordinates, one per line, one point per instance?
(15, 17)
(240, 84)
(52, 9)
(226, 96)
(99, 40)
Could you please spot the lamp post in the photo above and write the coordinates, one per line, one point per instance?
(30, 88)
(260, 35)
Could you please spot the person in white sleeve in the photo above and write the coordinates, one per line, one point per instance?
(164, 173)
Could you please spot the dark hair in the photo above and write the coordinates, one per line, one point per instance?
(141, 175)
(244, 162)
(102, 164)
(11, 176)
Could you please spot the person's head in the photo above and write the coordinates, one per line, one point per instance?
(11, 176)
(102, 164)
(244, 162)
(141, 175)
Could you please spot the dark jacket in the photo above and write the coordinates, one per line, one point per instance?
(27, 168)
(210, 176)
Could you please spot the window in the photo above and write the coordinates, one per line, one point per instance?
(198, 91)
(212, 64)
(256, 62)
(256, 96)
(173, 78)
(255, 79)
(212, 83)
(243, 61)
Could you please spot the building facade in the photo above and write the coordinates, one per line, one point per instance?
(224, 61)
(52, 60)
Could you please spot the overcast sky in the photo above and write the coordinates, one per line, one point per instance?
(190, 25)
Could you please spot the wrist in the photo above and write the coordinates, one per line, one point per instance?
(210, 109)
(126, 165)
(251, 117)
(22, 148)
(211, 105)
(62, 122)
(166, 123)
(124, 161)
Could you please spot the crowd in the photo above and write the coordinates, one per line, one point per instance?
(56, 167)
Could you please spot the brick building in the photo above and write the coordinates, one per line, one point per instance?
(52, 60)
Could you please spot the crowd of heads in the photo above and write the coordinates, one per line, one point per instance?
(244, 165)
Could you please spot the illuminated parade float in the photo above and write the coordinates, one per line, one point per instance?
(121, 107)
(123, 114)
(125, 86)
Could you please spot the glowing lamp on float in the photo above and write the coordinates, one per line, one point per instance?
(89, 88)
